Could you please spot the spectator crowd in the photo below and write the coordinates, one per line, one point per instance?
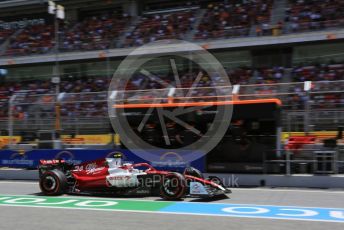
(220, 19)
(233, 18)
(330, 95)
(91, 33)
(321, 74)
(306, 15)
(154, 27)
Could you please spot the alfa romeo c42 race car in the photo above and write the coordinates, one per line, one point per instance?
(110, 176)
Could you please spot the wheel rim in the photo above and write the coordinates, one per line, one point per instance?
(170, 188)
(49, 183)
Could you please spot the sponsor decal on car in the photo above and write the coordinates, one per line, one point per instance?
(197, 188)
(93, 168)
(119, 177)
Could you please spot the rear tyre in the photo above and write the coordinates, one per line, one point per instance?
(173, 186)
(53, 183)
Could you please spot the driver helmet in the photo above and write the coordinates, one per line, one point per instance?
(116, 160)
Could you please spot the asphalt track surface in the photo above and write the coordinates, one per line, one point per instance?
(49, 218)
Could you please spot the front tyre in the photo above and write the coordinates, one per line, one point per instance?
(173, 186)
(53, 183)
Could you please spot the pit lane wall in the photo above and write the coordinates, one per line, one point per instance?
(17, 163)
(230, 180)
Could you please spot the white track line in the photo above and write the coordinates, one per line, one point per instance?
(90, 197)
(18, 182)
(288, 190)
(174, 213)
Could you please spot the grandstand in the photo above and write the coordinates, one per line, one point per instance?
(269, 49)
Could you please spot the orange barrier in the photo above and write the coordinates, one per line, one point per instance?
(194, 104)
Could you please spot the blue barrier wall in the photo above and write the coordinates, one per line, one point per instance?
(30, 159)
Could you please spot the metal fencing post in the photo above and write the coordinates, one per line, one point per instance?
(11, 105)
(307, 89)
(288, 171)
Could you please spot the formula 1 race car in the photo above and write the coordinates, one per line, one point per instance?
(110, 176)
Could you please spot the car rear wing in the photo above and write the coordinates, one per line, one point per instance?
(51, 162)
